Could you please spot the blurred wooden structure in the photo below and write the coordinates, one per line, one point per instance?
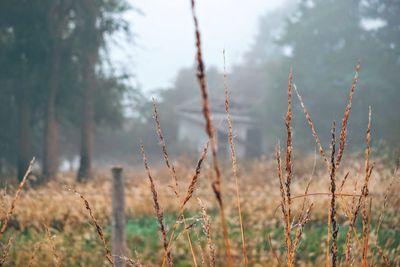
(118, 216)
(247, 136)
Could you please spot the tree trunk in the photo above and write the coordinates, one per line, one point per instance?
(24, 154)
(87, 124)
(50, 154)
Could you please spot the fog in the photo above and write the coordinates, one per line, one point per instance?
(164, 36)
(77, 80)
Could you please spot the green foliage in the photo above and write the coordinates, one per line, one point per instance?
(328, 39)
(41, 41)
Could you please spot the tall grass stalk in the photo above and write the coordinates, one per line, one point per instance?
(173, 175)
(334, 249)
(345, 119)
(187, 197)
(216, 185)
(97, 226)
(234, 164)
(206, 225)
(11, 209)
(157, 207)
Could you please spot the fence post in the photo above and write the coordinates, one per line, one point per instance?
(118, 216)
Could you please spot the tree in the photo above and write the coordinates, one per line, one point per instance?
(23, 53)
(95, 19)
(52, 68)
(323, 41)
(58, 17)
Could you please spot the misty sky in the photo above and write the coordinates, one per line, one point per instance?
(165, 38)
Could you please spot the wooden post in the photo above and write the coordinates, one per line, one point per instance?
(118, 216)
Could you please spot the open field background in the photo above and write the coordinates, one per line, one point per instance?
(65, 100)
(75, 242)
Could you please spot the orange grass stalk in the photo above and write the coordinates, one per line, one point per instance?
(284, 202)
(383, 256)
(157, 208)
(348, 235)
(130, 261)
(17, 193)
(234, 164)
(163, 145)
(206, 225)
(328, 235)
(334, 249)
(99, 230)
(345, 120)
(363, 196)
(6, 250)
(216, 185)
(52, 246)
(289, 165)
(188, 195)
(195, 178)
(355, 212)
(33, 255)
(343, 181)
(300, 228)
(172, 172)
(289, 146)
(312, 127)
(385, 201)
(366, 234)
(366, 191)
(273, 251)
(303, 205)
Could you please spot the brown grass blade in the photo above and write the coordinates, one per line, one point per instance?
(52, 246)
(312, 127)
(97, 226)
(216, 185)
(11, 209)
(334, 249)
(303, 205)
(383, 256)
(343, 181)
(345, 120)
(6, 251)
(163, 145)
(385, 202)
(35, 249)
(187, 197)
(157, 207)
(206, 225)
(366, 192)
(234, 165)
(172, 172)
(130, 261)
(284, 203)
(195, 178)
(300, 228)
(289, 165)
(273, 251)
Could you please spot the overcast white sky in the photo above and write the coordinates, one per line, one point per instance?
(165, 37)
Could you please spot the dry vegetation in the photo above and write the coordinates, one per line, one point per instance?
(291, 209)
(75, 239)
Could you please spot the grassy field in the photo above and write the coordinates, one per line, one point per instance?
(332, 208)
(73, 241)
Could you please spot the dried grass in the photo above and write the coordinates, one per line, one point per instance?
(14, 201)
(216, 185)
(234, 165)
(172, 172)
(97, 226)
(157, 208)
